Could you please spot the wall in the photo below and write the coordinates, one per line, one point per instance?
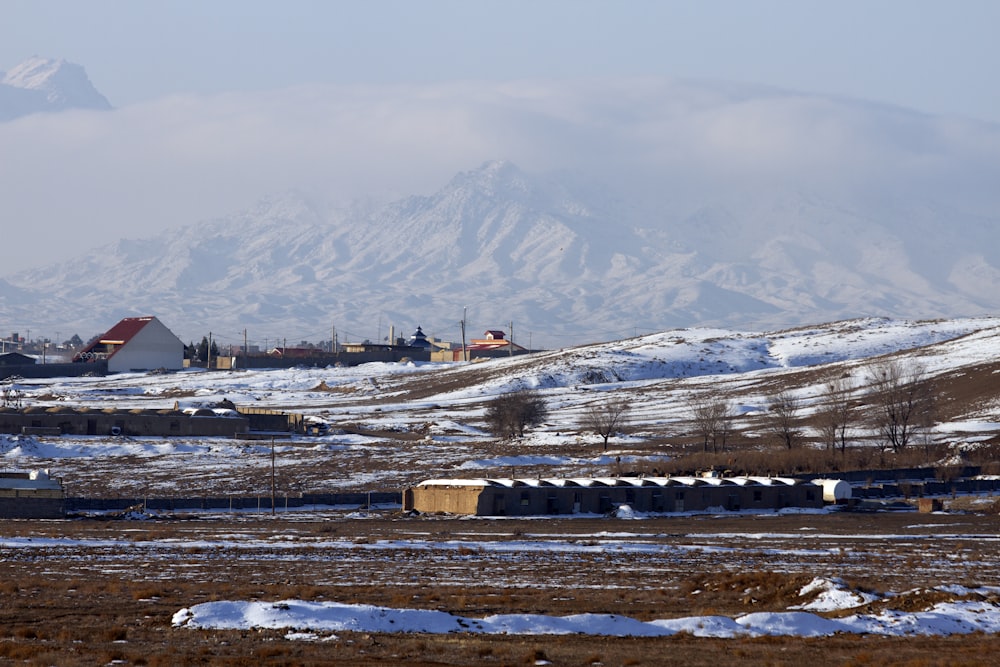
(459, 499)
(384, 354)
(139, 423)
(55, 370)
(31, 508)
(31, 504)
(347, 499)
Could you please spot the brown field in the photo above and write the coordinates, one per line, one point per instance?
(105, 591)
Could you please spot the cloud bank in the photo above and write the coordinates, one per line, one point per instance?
(74, 180)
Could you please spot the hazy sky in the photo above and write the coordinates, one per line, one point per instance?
(939, 57)
(218, 103)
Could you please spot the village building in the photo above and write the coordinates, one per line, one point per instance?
(31, 495)
(548, 496)
(9, 359)
(493, 344)
(419, 340)
(136, 344)
(12, 343)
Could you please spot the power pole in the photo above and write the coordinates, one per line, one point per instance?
(272, 474)
(510, 343)
(465, 355)
(208, 353)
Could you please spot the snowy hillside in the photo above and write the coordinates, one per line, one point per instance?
(43, 84)
(567, 265)
(394, 424)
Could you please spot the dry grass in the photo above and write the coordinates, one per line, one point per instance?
(56, 608)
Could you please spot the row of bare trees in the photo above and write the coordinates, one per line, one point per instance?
(897, 405)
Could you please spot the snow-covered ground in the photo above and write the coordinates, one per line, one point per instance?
(425, 420)
(429, 416)
(317, 620)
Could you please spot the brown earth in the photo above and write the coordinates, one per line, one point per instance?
(108, 596)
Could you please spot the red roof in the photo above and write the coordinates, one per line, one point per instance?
(118, 335)
(125, 330)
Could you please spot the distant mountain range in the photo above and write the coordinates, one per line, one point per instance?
(44, 84)
(564, 261)
(566, 264)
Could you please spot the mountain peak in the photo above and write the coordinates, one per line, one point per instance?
(495, 178)
(47, 84)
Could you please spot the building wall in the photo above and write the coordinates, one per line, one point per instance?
(542, 500)
(450, 499)
(153, 347)
(99, 367)
(31, 507)
(23, 497)
(141, 423)
(343, 358)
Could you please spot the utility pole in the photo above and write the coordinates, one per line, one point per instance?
(510, 344)
(465, 354)
(272, 474)
(208, 352)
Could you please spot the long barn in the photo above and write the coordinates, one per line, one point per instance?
(599, 495)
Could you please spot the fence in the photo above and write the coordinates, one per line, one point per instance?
(225, 503)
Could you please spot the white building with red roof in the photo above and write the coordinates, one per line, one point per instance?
(136, 344)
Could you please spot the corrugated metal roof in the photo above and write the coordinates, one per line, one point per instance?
(508, 482)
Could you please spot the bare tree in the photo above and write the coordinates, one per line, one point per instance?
(712, 416)
(783, 408)
(508, 415)
(835, 413)
(903, 401)
(605, 418)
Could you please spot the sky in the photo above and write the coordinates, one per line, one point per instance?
(931, 56)
(221, 103)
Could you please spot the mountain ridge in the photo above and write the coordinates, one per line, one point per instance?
(509, 246)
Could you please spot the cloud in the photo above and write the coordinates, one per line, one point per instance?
(73, 180)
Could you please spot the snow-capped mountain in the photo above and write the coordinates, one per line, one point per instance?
(43, 84)
(566, 265)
